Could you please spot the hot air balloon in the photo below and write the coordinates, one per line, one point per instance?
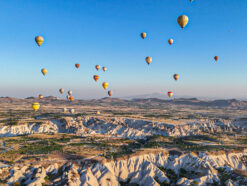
(98, 112)
(104, 69)
(35, 106)
(143, 35)
(170, 94)
(182, 21)
(70, 92)
(41, 96)
(61, 90)
(148, 60)
(44, 71)
(96, 77)
(110, 93)
(105, 85)
(64, 109)
(77, 65)
(71, 111)
(67, 97)
(71, 98)
(97, 67)
(191, 1)
(170, 41)
(216, 58)
(176, 76)
(39, 40)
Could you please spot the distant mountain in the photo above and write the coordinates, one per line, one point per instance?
(145, 96)
(155, 102)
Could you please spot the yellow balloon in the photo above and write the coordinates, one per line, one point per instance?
(39, 40)
(35, 106)
(105, 85)
(44, 71)
(183, 21)
(98, 112)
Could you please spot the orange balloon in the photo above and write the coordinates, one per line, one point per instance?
(41, 96)
(110, 93)
(216, 58)
(96, 77)
(71, 98)
(148, 60)
(77, 65)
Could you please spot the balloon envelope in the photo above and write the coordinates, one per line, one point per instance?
(61, 90)
(35, 106)
(70, 92)
(71, 98)
(77, 65)
(44, 71)
(176, 76)
(170, 94)
(143, 35)
(216, 58)
(96, 77)
(104, 69)
(97, 67)
(110, 93)
(41, 96)
(148, 60)
(170, 41)
(182, 21)
(39, 40)
(105, 85)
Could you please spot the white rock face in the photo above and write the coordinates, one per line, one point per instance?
(143, 169)
(122, 127)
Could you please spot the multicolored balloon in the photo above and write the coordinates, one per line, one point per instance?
(170, 94)
(170, 41)
(96, 78)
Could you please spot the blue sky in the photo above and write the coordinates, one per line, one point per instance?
(107, 32)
